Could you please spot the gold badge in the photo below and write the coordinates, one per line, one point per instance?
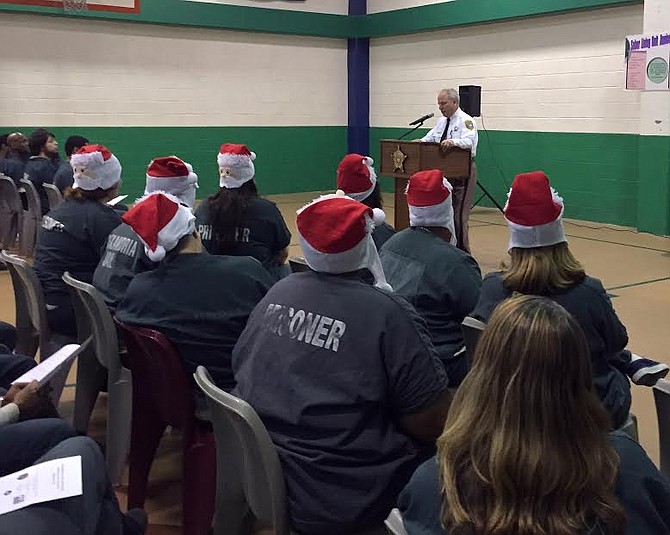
(469, 125)
(399, 158)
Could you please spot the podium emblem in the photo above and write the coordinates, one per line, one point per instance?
(399, 158)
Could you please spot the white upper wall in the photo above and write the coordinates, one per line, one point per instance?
(94, 73)
(377, 6)
(335, 7)
(561, 73)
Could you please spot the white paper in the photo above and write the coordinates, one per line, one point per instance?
(51, 480)
(116, 200)
(49, 367)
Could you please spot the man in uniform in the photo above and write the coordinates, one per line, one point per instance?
(43, 164)
(123, 256)
(424, 266)
(201, 302)
(64, 177)
(457, 129)
(343, 374)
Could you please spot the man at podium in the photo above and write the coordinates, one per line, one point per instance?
(457, 129)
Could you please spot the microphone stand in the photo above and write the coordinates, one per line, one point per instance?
(412, 130)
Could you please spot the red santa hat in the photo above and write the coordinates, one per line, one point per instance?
(335, 236)
(94, 166)
(172, 175)
(236, 165)
(429, 200)
(356, 176)
(534, 212)
(160, 220)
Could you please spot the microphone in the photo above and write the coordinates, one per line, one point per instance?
(422, 119)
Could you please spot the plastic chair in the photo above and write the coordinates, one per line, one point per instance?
(630, 427)
(662, 399)
(298, 264)
(248, 467)
(32, 218)
(32, 328)
(394, 523)
(11, 212)
(162, 396)
(101, 365)
(54, 195)
(472, 329)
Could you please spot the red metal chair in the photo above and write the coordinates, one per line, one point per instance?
(162, 396)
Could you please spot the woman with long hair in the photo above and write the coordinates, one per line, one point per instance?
(541, 264)
(357, 178)
(527, 447)
(236, 221)
(74, 232)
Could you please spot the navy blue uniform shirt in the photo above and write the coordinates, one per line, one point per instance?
(262, 234)
(641, 489)
(331, 364)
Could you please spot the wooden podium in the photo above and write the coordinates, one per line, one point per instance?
(401, 159)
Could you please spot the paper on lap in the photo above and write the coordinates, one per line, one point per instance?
(44, 482)
(46, 370)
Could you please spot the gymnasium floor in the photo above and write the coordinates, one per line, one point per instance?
(634, 268)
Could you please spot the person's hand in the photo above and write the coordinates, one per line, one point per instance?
(446, 144)
(31, 400)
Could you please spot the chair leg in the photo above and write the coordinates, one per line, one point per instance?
(89, 377)
(199, 481)
(147, 428)
(118, 428)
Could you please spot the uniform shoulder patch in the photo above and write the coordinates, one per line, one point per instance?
(470, 125)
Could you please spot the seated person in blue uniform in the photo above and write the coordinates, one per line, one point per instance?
(201, 302)
(123, 256)
(74, 232)
(423, 264)
(43, 163)
(527, 446)
(357, 178)
(236, 221)
(64, 177)
(343, 374)
(541, 264)
(15, 156)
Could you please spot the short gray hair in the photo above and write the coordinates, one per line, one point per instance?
(452, 94)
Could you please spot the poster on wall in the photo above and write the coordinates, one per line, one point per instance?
(116, 6)
(648, 62)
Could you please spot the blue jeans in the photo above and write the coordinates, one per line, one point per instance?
(22, 443)
(96, 512)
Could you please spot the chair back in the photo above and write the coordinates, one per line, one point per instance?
(54, 195)
(394, 523)
(243, 445)
(95, 321)
(472, 329)
(158, 370)
(32, 219)
(11, 212)
(298, 264)
(662, 400)
(32, 329)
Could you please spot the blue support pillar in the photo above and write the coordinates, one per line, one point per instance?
(358, 81)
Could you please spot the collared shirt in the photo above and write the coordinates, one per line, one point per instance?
(462, 131)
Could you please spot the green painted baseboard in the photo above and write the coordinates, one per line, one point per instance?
(596, 174)
(289, 159)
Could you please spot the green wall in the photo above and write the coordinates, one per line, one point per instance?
(288, 159)
(596, 174)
